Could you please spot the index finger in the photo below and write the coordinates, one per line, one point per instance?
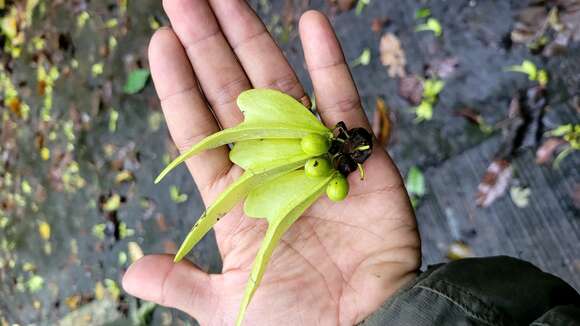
(336, 96)
(188, 117)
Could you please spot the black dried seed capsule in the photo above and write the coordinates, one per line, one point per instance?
(361, 144)
(335, 146)
(361, 135)
(349, 148)
(361, 156)
(345, 165)
(341, 131)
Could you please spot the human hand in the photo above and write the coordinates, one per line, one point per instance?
(340, 261)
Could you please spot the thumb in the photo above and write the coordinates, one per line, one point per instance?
(180, 285)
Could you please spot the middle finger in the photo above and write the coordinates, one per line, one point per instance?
(263, 61)
(219, 73)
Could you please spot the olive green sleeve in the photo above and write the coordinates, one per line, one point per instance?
(481, 291)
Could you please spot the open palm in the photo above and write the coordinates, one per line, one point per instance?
(340, 261)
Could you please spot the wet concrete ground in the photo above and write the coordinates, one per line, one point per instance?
(74, 271)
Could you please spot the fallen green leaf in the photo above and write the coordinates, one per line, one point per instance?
(154, 23)
(97, 69)
(136, 81)
(569, 133)
(527, 67)
(563, 154)
(98, 231)
(543, 77)
(113, 119)
(415, 182)
(35, 283)
(424, 111)
(363, 59)
(26, 188)
(111, 23)
(122, 259)
(360, 6)
(176, 196)
(520, 196)
(113, 288)
(112, 204)
(432, 88)
(432, 25)
(125, 231)
(82, 19)
(422, 13)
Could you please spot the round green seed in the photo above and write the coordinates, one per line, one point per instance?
(317, 167)
(315, 144)
(337, 189)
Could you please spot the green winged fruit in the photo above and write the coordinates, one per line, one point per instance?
(315, 144)
(337, 189)
(317, 167)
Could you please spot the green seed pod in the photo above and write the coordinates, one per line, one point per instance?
(337, 189)
(315, 144)
(317, 167)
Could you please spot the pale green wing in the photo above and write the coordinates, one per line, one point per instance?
(270, 198)
(278, 225)
(267, 114)
(259, 166)
(271, 106)
(249, 153)
(236, 192)
(243, 131)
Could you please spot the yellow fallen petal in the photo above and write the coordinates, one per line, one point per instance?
(112, 204)
(135, 251)
(44, 230)
(99, 291)
(45, 153)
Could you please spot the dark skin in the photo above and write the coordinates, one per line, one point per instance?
(340, 261)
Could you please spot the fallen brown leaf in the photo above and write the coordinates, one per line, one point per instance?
(530, 24)
(73, 301)
(169, 247)
(576, 196)
(443, 68)
(382, 122)
(15, 106)
(411, 89)
(546, 151)
(570, 18)
(523, 123)
(288, 13)
(470, 115)
(494, 183)
(535, 23)
(392, 55)
(344, 5)
(378, 23)
(161, 223)
(38, 140)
